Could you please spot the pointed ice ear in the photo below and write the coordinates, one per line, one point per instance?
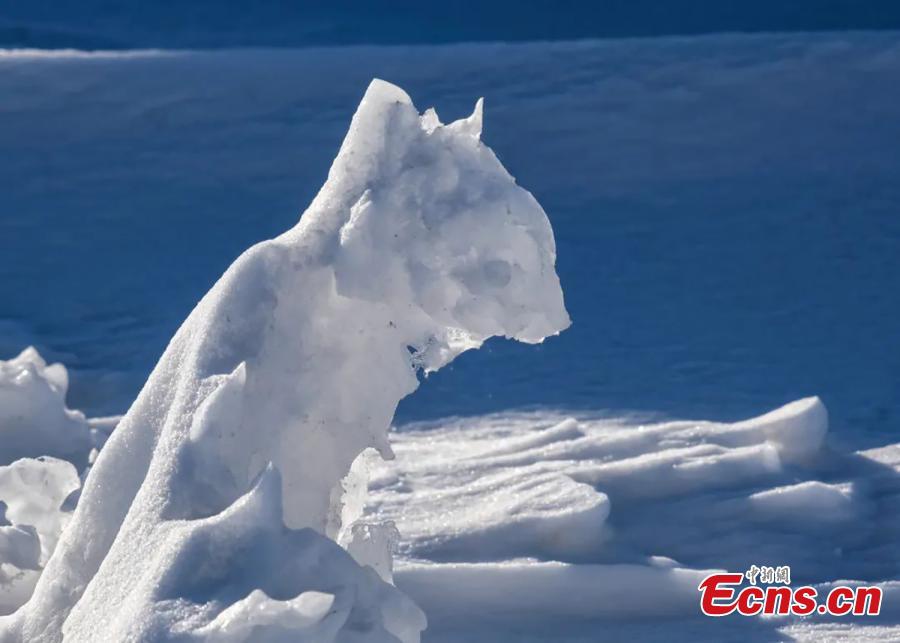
(358, 158)
(264, 500)
(472, 125)
(378, 94)
(430, 120)
(367, 129)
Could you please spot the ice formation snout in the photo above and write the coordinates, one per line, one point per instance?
(209, 511)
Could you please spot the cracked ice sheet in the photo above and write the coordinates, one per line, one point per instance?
(535, 525)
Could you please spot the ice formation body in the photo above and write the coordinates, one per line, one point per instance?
(206, 513)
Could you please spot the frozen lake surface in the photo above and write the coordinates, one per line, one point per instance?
(725, 208)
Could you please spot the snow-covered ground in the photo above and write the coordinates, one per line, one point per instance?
(725, 210)
(542, 527)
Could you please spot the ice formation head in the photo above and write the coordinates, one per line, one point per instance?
(419, 246)
(428, 216)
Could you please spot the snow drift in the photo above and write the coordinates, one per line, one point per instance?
(531, 526)
(34, 420)
(206, 513)
(597, 490)
(538, 526)
(33, 511)
(43, 445)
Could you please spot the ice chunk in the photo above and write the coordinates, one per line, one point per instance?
(260, 618)
(419, 246)
(34, 420)
(810, 501)
(373, 545)
(33, 493)
(797, 429)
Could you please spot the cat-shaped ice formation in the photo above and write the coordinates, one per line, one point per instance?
(419, 246)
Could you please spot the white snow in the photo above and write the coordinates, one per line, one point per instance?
(479, 490)
(36, 432)
(525, 527)
(815, 500)
(536, 525)
(34, 420)
(33, 512)
(418, 247)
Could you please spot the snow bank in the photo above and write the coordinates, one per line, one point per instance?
(516, 522)
(225, 475)
(486, 491)
(36, 432)
(33, 511)
(34, 420)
